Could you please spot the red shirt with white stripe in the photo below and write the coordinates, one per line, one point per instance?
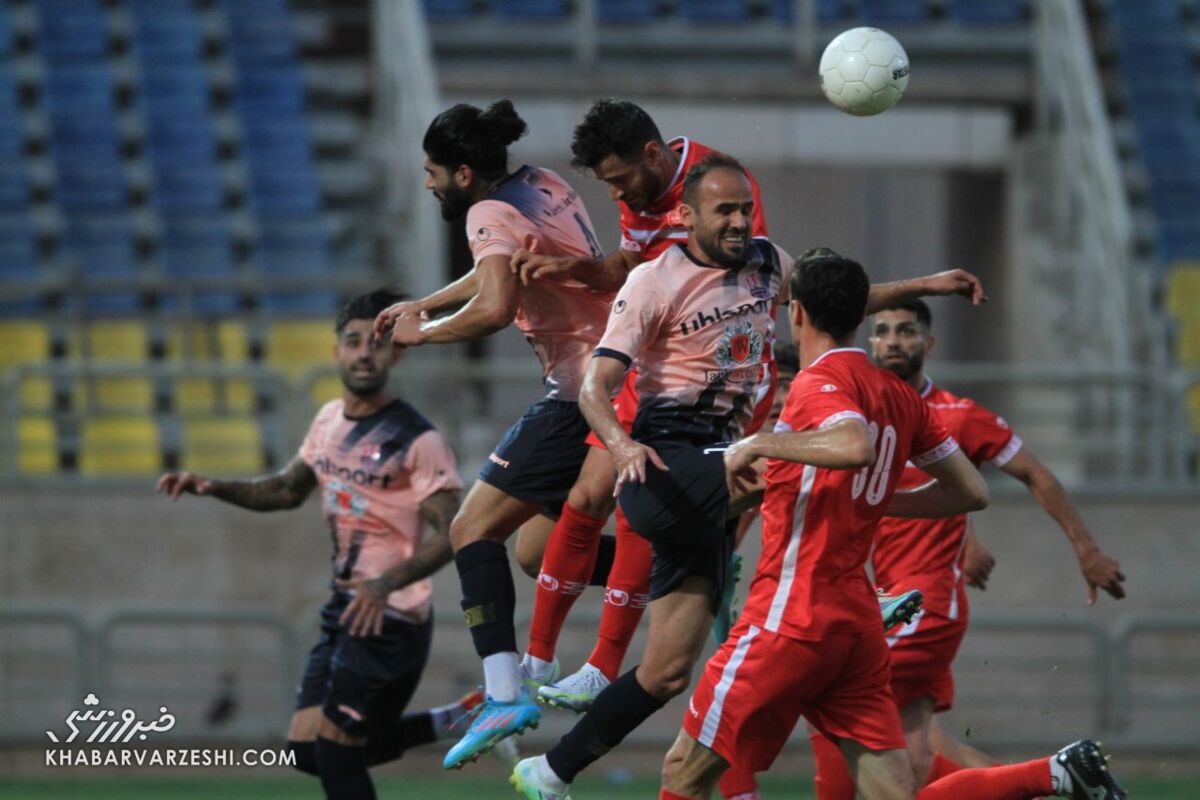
(819, 524)
(649, 233)
(926, 554)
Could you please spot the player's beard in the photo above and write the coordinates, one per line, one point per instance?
(363, 386)
(710, 245)
(454, 202)
(906, 368)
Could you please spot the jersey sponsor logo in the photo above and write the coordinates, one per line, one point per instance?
(829, 387)
(548, 582)
(739, 375)
(482, 235)
(759, 288)
(702, 320)
(740, 344)
(498, 461)
(342, 499)
(616, 597)
(362, 477)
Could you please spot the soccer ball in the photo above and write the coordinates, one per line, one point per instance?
(864, 71)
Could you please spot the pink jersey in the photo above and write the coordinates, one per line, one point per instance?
(374, 473)
(926, 554)
(818, 524)
(698, 335)
(537, 210)
(649, 233)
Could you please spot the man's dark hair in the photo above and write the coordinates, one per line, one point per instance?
(787, 356)
(366, 306)
(480, 139)
(695, 175)
(918, 307)
(612, 128)
(833, 291)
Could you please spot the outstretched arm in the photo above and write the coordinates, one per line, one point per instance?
(492, 308)
(954, 281)
(287, 488)
(1100, 570)
(958, 489)
(607, 274)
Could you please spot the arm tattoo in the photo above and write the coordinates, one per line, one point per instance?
(287, 488)
(434, 551)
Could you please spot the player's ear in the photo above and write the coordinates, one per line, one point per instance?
(929, 342)
(796, 314)
(464, 176)
(686, 214)
(652, 150)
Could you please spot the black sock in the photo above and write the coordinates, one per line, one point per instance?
(387, 743)
(343, 771)
(488, 596)
(606, 552)
(306, 755)
(617, 710)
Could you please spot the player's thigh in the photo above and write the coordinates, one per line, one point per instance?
(959, 752)
(915, 719)
(879, 774)
(489, 513)
(592, 493)
(305, 724)
(690, 768)
(679, 628)
(330, 731)
(531, 543)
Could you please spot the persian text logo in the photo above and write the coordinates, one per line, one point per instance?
(110, 727)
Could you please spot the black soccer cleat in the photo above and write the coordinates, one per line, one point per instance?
(1087, 767)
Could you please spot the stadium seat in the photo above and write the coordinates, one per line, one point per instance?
(222, 446)
(102, 248)
(37, 445)
(301, 303)
(294, 347)
(6, 36)
(972, 12)
(626, 10)
(125, 341)
(177, 87)
(218, 340)
(165, 30)
(324, 389)
(267, 93)
(36, 393)
(1187, 343)
(72, 30)
(17, 248)
(295, 246)
(187, 187)
(449, 9)
(1183, 292)
(119, 445)
(1194, 408)
(714, 10)
(531, 9)
(23, 341)
(881, 11)
(260, 31)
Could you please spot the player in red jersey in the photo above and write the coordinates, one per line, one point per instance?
(835, 462)
(386, 478)
(928, 555)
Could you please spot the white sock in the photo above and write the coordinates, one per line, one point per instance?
(502, 676)
(535, 667)
(1060, 779)
(549, 777)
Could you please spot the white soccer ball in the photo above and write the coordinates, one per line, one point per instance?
(864, 71)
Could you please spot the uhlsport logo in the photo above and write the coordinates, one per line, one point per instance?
(548, 582)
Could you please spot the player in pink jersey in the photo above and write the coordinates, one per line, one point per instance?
(531, 471)
(834, 464)
(385, 476)
(695, 321)
(928, 555)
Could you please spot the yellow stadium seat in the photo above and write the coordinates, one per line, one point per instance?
(224, 340)
(125, 341)
(37, 445)
(119, 446)
(195, 396)
(1183, 292)
(324, 389)
(36, 393)
(295, 347)
(1187, 345)
(129, 395)
(23, 342)
(223, 446)
(1194, 407)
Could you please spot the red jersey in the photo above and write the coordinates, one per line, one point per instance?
(649, 233)
(819, 524)
(926, 554)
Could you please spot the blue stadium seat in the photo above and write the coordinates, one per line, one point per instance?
(972, 12)
(260, 31)
(626, 10)
(187, 137)
(449, 9)
(78, 89)
(293, 246)
(6, 36)
(196, 245)
(714, 10)
(11, 136)
(14, 183)
(880, 11)
(827, 10)
(181, 187)
(102, 247)
(266, 93)
(168, 90)
(166, 33)
(18, 253)
(86, 183)
(72, 30)
(306, 303)
(292, 191)
(531, 9)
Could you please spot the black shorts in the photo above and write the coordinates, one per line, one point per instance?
(540, 456)
(683, 513)
(361, 681)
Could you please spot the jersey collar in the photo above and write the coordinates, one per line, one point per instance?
(683, 157)
(927, 388)
(838, 350)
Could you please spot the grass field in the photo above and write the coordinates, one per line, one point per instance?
(442, 787)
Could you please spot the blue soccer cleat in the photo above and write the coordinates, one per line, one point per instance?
(726, 616)
(900, 608)
(493, 722)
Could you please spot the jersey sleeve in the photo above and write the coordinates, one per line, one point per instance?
(758, 222)
(985, 436)
(431, 466)
(931, 441)
(637, 316)
(310, 448)
(493, 229)
(628, 242)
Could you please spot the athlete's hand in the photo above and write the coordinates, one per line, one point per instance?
(406, 332)
(740, 474)
(174, 484)
(386, 319)
(1102, 571)
(978, 563)
(364, 615)
(529, 266)
(631, 458)
(957, 281)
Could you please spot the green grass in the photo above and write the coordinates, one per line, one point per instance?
(442, 787)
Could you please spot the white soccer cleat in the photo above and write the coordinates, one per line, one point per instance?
(577, 691)
(532, 678)
(527, 780)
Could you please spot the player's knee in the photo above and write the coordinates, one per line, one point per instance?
(592, 497)
(304, 756)
(530, 558)
(666, 681)
(465, 530)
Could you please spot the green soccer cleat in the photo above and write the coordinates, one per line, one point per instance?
(900, 608)
(529, 785)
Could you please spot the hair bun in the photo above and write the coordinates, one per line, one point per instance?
(502, 123)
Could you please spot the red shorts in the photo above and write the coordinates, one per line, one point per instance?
(625, 405)
(922, 652)
(745, 706)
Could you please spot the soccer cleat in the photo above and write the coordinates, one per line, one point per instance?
(726, 616)
(900, 608)
(526, 781)
(1087, 767)
(507, 752)
(576, 692)
(531, 681)
(493, 722)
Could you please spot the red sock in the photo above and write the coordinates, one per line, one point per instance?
(832, 780)
(738, 784)
(566, 567)
(940, 768)
(663, 794)
(1028, 780)
(625, 599)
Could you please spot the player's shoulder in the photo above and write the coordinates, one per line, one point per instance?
(943, 400)
(332, 410)
(408, 418)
